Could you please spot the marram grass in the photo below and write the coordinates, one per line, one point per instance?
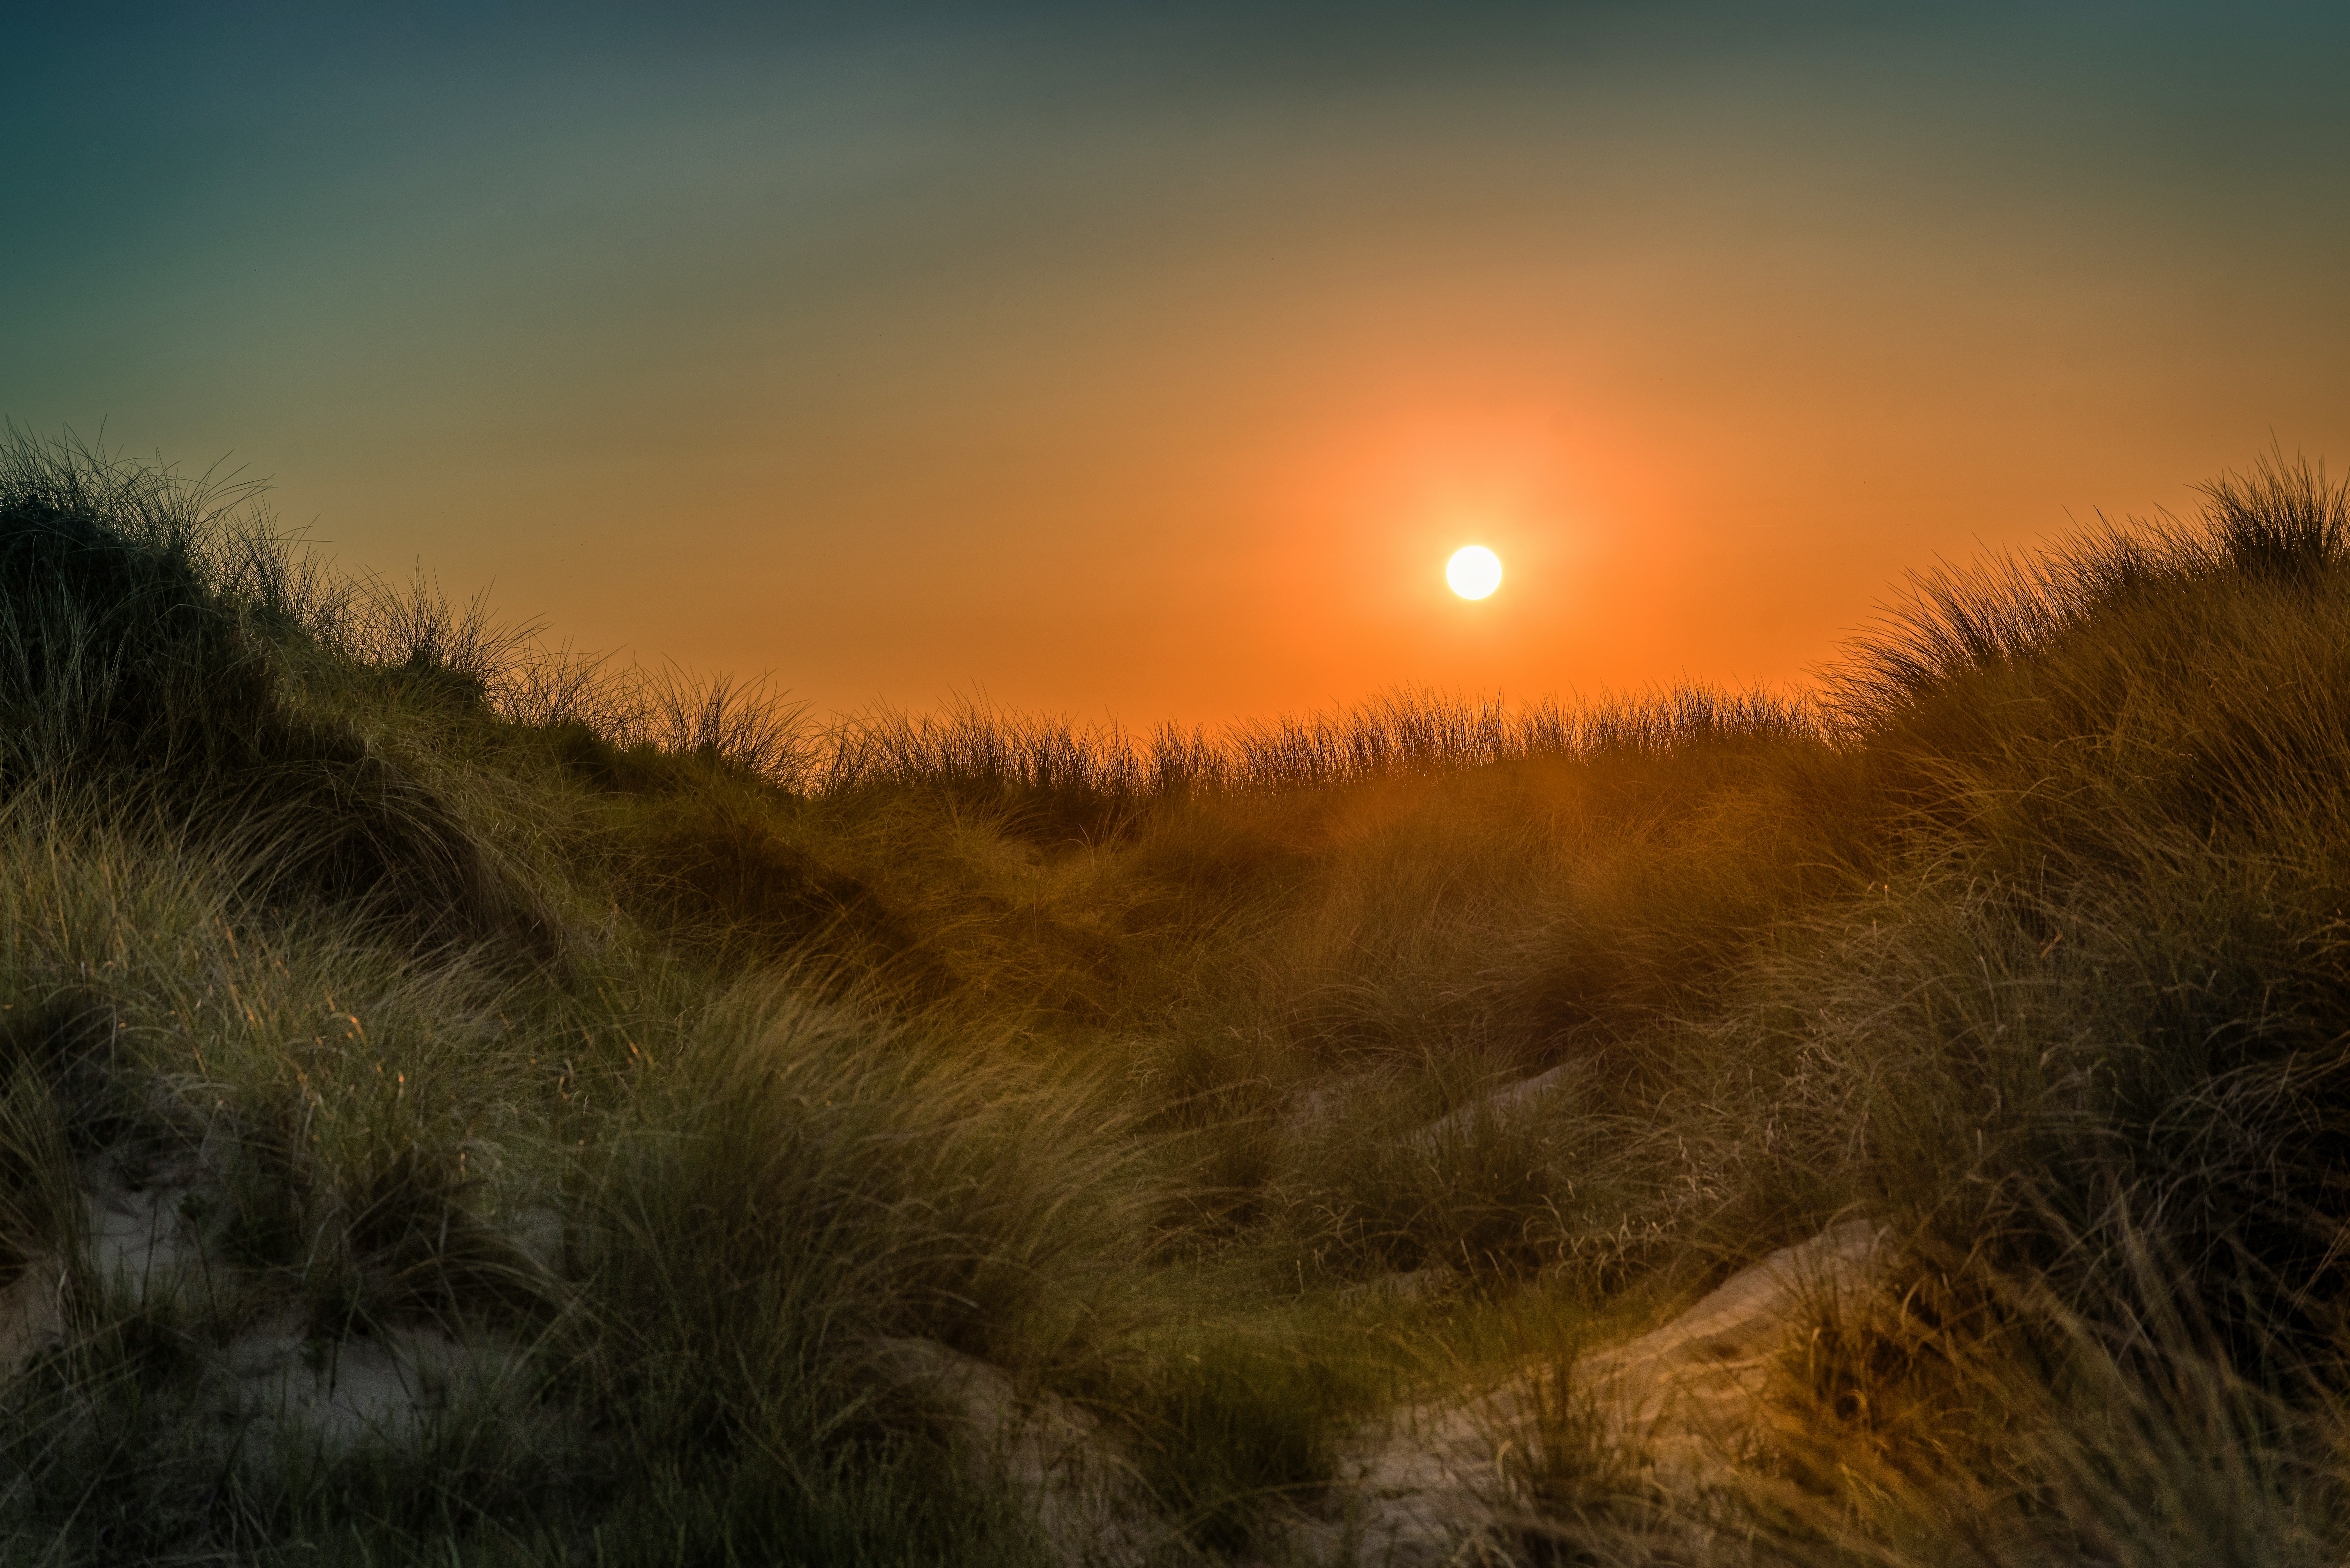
(699, 1058)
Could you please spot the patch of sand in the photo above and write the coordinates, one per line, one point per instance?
(1432, 1484)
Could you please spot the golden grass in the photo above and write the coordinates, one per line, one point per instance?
(698, 1051)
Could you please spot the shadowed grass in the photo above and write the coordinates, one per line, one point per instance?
(696, 1055)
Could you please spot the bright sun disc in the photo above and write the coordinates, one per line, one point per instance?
(1473, 572)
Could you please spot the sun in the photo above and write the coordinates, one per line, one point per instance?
(1475, 571)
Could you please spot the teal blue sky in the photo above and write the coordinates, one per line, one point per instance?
(1147, 361)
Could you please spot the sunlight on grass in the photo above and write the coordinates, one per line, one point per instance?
(666, 1065)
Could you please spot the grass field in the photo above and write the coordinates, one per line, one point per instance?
(682, 1059)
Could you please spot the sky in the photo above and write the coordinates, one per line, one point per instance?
(1145, 362)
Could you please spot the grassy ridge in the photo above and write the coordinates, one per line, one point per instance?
(706, 1055)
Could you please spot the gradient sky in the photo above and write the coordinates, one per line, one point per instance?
(1147, 361)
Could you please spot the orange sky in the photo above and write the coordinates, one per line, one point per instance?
(1147, 368)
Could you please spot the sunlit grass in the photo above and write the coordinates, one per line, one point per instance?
(1221, 1089)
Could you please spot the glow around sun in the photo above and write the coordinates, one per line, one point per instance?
(1475, 571)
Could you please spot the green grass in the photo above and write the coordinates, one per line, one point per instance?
(701, 1053)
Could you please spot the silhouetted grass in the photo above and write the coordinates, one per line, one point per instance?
(697, 1055)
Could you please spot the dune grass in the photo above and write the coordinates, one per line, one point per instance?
(694, 1056)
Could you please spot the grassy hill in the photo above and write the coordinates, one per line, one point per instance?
(680, 1062)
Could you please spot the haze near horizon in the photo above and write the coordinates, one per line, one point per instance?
(1149, 363)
